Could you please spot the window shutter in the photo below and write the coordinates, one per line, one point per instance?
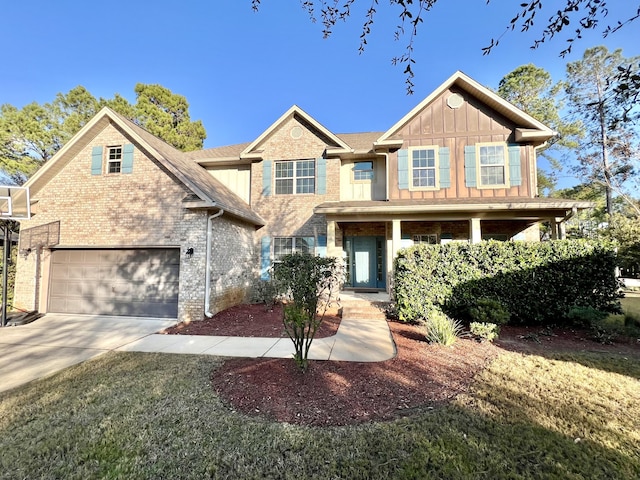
(321, 165)
(321, 248)
(127, 158)
(96, 161)
(265, 258)
(403, 169)
(444, 167)
(470, 176)
(266, 178)
(515, 170)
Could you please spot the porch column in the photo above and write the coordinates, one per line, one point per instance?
(475, 231)
(554, 228)
(562, 231)
(396, 237)
(332, 250)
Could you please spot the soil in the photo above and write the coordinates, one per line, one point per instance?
(419, 378)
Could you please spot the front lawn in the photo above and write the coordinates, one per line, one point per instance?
(134, 415)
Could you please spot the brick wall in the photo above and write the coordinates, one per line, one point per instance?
(232, 263)
(143, 208)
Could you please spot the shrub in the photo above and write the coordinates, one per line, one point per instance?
(441, 329)
(266, 291)
(484, 331)
(586, 316)
(536, 282)
(309, 282)
(488, 310)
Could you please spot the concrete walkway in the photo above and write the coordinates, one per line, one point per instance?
(57, 341)
(363, 336)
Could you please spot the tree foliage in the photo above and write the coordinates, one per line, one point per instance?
(532, 90)
(30, 136)
(578, 16)
(608, 152)
(625, 231)
(309, 282)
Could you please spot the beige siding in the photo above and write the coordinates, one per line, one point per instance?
(362, 190)
(237, 179)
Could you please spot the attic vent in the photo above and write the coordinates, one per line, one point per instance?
(455, 100)
(296, 132)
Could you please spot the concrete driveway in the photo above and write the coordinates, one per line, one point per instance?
(57, 341)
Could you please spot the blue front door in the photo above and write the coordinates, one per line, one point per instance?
(366, 257)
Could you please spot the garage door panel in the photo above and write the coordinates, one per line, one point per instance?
(138, 282)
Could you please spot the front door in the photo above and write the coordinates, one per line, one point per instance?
(366, 259)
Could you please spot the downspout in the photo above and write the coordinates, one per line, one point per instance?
(207, 276)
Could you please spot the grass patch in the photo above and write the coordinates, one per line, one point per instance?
(134, 415)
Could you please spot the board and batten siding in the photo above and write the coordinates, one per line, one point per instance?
(472, 123)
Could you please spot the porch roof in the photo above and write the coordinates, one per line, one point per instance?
(495, 208)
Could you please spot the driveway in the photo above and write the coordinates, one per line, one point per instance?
(57, 341)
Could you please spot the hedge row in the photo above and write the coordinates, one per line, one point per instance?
(537, 282)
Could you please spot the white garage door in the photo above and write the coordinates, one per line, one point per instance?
(135, 282)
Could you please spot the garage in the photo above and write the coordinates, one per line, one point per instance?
(140, 282)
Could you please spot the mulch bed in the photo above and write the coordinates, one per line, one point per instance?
(420, 377)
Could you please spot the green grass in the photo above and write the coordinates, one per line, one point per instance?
(134, 415)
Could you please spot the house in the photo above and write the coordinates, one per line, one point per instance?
(143, 229)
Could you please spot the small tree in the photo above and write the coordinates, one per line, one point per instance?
(309, 283)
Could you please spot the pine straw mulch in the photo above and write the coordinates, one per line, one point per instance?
(420, 377)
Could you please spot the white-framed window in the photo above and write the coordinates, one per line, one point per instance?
(295, 176)
(492, 164)
(114, 159)
(428, 238)
(286, 245)
(423, 168)
(363, 171)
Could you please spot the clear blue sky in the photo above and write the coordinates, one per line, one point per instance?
(241, 70)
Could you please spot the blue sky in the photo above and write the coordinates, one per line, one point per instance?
(241, 70)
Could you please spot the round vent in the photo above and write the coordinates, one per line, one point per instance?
(455, 100)
(296, 132)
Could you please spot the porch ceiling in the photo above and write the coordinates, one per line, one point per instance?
(452, 209)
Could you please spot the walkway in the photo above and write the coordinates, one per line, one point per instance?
(363, 336)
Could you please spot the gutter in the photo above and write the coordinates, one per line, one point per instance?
(207, 275)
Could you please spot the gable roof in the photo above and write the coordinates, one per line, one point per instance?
(529, 129)
(252, 151)
(210, 191)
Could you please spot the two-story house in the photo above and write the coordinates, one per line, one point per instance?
(143, 229)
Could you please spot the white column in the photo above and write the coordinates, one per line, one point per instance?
(475, 231)
(554, 228)
(562, 231)
(332, 250)
(396, 237)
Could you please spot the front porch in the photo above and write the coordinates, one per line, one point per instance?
(368, 235)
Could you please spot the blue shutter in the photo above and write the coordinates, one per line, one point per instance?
(444, 167)
(266, 178)
(127, 158)
(470, 176)
(515, 170)
(321, 248)
(265, 258)
(321, 165)
(96, 161)
(403, 169)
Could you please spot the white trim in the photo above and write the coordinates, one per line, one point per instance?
(436, 167)
(505, 166)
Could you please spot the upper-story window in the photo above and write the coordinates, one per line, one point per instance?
(295, 176)
(114, 159)
(492, 164)
(363, 171)
(423, 163)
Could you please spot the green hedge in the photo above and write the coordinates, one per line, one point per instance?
(536, 282)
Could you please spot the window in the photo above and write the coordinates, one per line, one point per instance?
(423, 163)
(429, 238)
(492, 165)
(295, 176)
(286, 245)
(362, 171)
(114, 159)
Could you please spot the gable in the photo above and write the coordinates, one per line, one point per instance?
(297, 131)
(438, 119)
